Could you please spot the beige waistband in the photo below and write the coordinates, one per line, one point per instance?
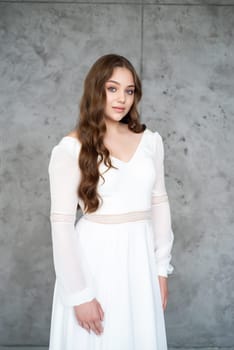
(119, 218)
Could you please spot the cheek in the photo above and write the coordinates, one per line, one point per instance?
(131, 100)
(109, 99)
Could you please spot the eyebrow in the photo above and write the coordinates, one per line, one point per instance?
(116, 82)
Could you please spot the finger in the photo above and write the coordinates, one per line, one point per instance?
(101, 312)
(93, 327)
(81, 324)
(86, 326)
(98, 326)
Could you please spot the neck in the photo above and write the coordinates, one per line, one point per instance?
(114, 127)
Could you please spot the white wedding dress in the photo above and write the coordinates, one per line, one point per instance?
(116, 263)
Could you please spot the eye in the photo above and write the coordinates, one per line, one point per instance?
(111, 88)
(130, 92)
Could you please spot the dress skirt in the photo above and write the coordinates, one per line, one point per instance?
(120, 259)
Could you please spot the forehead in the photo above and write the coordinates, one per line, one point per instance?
(122, 75)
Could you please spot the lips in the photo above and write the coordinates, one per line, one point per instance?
(120, 109)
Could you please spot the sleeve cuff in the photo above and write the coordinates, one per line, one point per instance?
(78, 298)
(163, 271)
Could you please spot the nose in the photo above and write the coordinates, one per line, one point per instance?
(121, 96)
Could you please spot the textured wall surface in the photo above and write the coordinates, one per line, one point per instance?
(184, 53)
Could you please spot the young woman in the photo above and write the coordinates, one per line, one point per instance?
(112, 264)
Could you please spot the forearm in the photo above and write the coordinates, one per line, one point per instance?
(163, 235)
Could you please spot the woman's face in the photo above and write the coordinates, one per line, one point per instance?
(119, 94)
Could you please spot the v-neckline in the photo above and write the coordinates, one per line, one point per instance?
(115, 158)
(134, 153)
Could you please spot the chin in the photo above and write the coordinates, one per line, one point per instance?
(114, 118)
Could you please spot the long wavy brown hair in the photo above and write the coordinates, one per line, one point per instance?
(91, 128)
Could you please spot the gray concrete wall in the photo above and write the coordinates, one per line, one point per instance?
(184, 52)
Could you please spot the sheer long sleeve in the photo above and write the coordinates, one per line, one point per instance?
(161, 217)
(67, 254)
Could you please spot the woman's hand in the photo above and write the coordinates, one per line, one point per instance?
(164, 290)
(90, 315)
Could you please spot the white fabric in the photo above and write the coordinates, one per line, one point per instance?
(118, 264)
(163, 235)
(64, 177)
(119, 218)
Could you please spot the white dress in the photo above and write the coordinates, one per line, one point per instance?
(116, 263)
